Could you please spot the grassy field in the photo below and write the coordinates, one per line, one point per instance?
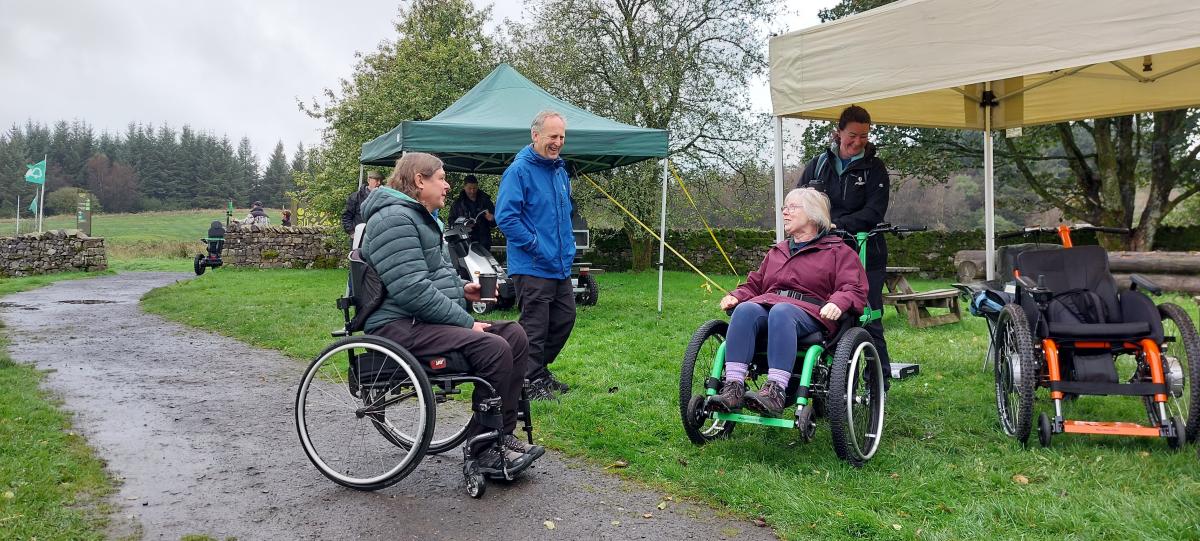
(147, 240)
(51, 484)
(945, 471)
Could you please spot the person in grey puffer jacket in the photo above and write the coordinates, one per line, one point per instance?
(425, 307)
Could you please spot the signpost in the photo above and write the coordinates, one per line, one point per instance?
(83, 213)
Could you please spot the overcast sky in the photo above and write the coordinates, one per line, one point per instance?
(227, 67)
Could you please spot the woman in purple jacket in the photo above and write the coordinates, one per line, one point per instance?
(803, 286)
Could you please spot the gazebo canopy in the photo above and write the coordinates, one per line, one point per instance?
(925, 62)
(484, 130)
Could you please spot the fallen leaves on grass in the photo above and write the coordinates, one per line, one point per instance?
(1020, 479)
(618, 464)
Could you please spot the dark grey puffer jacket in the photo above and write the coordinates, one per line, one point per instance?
(403, 242)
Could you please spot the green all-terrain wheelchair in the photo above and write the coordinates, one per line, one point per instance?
(839, 376)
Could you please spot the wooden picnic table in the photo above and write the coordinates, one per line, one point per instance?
(915, 305)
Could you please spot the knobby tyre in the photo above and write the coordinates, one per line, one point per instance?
(856, 398)
(697, 365)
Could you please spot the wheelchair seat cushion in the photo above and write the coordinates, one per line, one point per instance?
(1096, 331)
(812, 339)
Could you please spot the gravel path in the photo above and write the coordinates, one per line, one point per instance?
(198, 429)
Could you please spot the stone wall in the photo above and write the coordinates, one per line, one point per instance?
(274, 247)
(61, 250)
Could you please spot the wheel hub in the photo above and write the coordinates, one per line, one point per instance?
(1173, 372)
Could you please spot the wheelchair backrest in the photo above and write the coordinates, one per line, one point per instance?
(215, 246)
(1006, 257)
(1078, 269)
(366, 292)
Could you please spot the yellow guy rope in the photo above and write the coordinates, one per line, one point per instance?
(701, 215)
(653, 234)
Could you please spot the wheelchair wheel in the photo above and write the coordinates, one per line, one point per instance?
(1044, 430)
(340, 432)
(697, 365)
(1182, 349)
(856, 398)
(1013, 365)
(198, 264)
(591, 291)
(449, 433)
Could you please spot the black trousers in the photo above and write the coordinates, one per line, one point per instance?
(498, 356)
(548, 315)
(875, 280)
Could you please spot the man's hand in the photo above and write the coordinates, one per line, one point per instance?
(480, 326)
(728, 302)
(490, 217)
(471, 291)
(831, 311)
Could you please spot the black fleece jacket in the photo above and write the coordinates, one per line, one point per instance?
(858, 197)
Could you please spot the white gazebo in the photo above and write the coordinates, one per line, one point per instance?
(988, 65)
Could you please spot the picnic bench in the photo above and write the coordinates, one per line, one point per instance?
(915, 305)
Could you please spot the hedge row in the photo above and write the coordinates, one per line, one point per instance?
(931, 251)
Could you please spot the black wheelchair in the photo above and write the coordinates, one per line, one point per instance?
(214, 243)
(366, 408)
(1061, 322)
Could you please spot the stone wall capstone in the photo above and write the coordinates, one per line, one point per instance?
(277, 247)
(61, 250)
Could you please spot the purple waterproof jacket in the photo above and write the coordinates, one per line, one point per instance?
(825, 268)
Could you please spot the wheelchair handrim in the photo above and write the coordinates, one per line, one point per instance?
(873, 431)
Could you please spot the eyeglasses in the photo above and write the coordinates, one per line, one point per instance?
(790, 208)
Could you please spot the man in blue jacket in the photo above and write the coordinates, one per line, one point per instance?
(533, 209)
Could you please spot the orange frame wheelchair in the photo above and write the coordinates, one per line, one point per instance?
(1063, 328)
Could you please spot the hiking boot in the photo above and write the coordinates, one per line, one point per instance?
(541, 389)
(557, 386)
(769, 400)
(513, 443)
(492, 459)
(730, 397)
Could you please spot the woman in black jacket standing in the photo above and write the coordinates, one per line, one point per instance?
(857, 184)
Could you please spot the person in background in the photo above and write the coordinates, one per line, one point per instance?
(470, 202)
(352, 216)
(287, 218)
(257, 216)
(857, 183)
(533, 209)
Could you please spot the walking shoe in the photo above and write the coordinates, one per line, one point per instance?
(769, 400)
(558, 386)
(492, 459)
(513, 443)
(730, 397)
(541, 389)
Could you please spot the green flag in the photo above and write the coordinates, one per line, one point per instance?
(36, 173)
(33, 205)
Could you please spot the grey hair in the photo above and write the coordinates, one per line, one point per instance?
(814, 203)
(411, 164)
(540, 120)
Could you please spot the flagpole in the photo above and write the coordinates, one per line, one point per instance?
(42, 200)
(18, 215)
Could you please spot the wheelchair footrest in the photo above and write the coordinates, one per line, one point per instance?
(755, 419)
(1115, 428)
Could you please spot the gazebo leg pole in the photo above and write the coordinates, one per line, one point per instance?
(989, 195)
(360, 177)
(778, 178)
(662, 236)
